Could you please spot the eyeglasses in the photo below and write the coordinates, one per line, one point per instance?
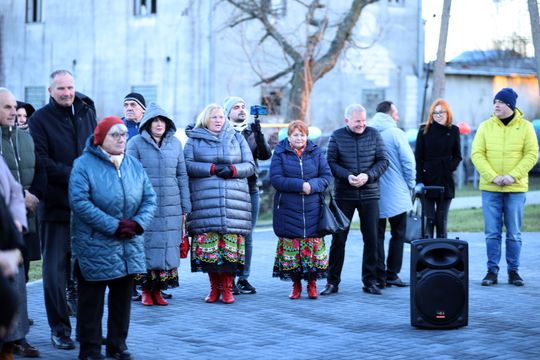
(117, 136)
(439, 113)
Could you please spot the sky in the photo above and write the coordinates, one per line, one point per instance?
(474, 24)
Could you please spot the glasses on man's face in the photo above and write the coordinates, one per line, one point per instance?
(439, 113)
(118, 136)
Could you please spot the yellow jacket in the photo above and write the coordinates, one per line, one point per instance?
(505, 150)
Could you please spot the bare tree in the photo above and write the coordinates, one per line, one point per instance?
(535, 29)
(438, 72)
(306, 63)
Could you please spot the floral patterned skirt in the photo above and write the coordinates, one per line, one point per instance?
(157, 279)
(214, 252)
(300, 258)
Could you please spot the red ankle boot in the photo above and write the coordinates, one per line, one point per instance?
(147, 298)
(226, 288)
(312, 289)
(296, 289)
(158, 298)
(213, 296)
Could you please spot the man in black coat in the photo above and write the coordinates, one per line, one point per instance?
(357, 158)
(59, 130)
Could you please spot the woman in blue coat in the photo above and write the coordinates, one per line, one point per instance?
(112, 203)
(162, 156)
(300, 174)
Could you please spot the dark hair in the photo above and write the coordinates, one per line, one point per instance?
(384, 107)
(148, 125)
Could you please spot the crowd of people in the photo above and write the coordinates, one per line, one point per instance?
(108, 200)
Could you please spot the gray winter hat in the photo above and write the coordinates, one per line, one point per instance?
(229, 102)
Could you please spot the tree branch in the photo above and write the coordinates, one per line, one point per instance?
(343, 33)
(274, 77)
(254, 10)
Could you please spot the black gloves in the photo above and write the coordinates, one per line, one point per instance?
(225, 171)
(256, 127)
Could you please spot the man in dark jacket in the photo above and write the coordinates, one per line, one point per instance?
(235, 110)
(60, 130)
(134, 108)
(357, 158)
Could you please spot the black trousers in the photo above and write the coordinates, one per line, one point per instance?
(394, 261)
(436, 211)
(56, 253)
(90, 313)
(368, 211)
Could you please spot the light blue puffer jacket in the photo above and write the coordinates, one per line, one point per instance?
(100, 196)
(166, 168)
(396, 182)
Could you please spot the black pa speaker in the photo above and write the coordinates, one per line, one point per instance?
(439, 283)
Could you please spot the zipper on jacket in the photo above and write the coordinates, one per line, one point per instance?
(303, 204)
(279, 200)
(16, 160)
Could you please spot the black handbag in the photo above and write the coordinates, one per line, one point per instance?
(413, 229)
(332, 220)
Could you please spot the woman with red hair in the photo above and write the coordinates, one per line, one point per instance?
(300, 174)
(438, 154)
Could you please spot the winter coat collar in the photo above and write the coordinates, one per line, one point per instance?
(382, 121)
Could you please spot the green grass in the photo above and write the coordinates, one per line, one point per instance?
(469, 190)
(35, 270)
(471, 220)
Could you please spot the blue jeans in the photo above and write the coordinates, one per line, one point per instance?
(498, 207)
(249, 237)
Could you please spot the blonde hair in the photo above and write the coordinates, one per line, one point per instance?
(204, 117)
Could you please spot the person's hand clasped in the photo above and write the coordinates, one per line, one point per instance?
(30, 200)
(508, 180)
(225, 171)
(306, 188)
(126, 229)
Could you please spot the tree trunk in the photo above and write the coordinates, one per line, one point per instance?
(535, 29)
(438, 72)
(301, 87)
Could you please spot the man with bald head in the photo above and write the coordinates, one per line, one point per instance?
(60, 130)
(17, 149)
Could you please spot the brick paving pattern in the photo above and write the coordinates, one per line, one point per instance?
(504, 320)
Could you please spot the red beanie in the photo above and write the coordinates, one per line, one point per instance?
(103, 128)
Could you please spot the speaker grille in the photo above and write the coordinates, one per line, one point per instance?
(440, 296)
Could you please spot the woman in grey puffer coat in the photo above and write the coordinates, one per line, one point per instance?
(162, 156)
(218, 161)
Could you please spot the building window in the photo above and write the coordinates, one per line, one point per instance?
(148, 91)
(396, 3)
(145, 7)
(33, 11)
(370, 99)
(277, 8)
(271, 98)
(35, 95)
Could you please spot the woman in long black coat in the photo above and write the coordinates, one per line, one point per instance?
(438, 154)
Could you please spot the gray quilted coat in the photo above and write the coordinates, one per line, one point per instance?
(165, 166)
(219, 205)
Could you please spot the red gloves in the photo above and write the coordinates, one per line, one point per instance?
(128, 229)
